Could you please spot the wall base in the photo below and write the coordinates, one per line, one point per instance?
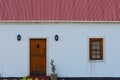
(88, 78)
(68, 78)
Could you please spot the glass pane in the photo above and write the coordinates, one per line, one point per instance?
(94, 56)
(98, 45)
(94, 47)
(98, 56)
(93, 43)
(93, 52)
(98, 52)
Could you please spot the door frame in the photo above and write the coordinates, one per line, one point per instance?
(47, 58)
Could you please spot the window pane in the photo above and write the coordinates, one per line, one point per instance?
(93, 52)
(98, 45)
(94, 56)
(98, 56)
(93, 43)
(98, 52)
(94, 47)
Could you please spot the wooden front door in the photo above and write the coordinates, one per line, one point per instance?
(37, 57)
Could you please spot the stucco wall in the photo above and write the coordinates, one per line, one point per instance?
(71, 52)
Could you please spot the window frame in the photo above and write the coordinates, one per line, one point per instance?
(91, 40)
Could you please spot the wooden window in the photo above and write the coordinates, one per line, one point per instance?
(96, 48)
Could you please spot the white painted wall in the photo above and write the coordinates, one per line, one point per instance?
(71, 52)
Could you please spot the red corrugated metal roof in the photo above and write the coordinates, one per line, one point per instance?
(60, 10)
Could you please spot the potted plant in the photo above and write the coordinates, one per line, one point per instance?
(53, 74)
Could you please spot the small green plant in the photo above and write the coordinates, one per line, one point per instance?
(52, 66)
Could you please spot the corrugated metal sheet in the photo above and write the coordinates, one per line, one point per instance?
(60, 10)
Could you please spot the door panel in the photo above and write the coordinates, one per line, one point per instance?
(37, 57)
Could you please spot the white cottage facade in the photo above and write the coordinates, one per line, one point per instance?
(86, 45)
(70, 52)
